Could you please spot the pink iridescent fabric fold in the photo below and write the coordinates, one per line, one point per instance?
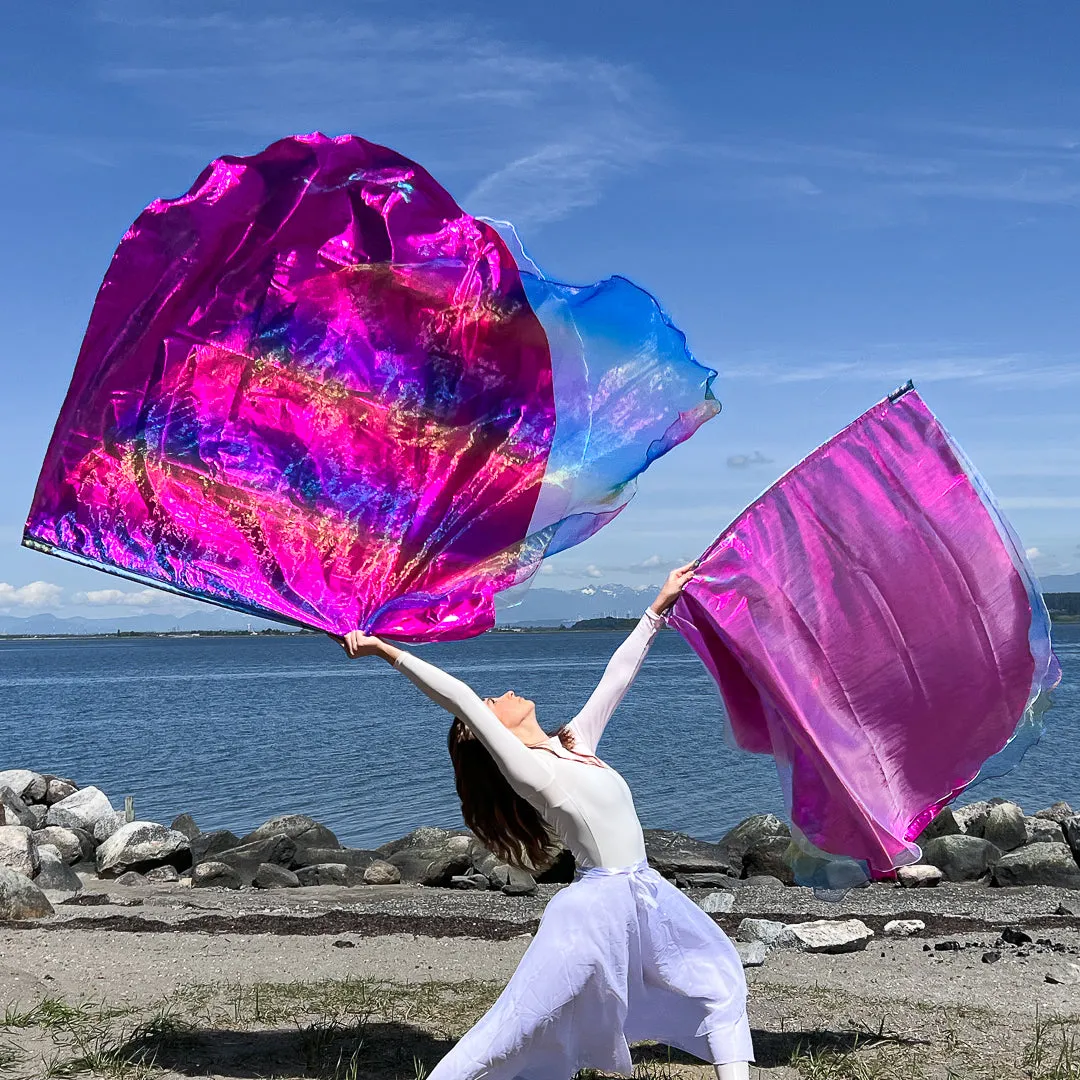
(872, 624)
(313, 388)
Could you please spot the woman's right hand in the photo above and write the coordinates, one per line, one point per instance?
(357, 644)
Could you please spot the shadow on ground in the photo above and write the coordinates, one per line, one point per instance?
(395, 1049)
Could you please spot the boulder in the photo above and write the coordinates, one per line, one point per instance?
(718, 903)
(1071, 828)
(961, 858)
(163, 875)
(424, 838)
(1043, 831)
(770, 857)
(57, 789)
(55, 877)
(107, 824)
(1039, 864)
(499, 875)
(919, 876)
(1057, 813)
(903, 927)
(762, 881)
(304, 831)
(20, 898)
(945, 824)
(751, 953)
(1004, 827)
(472, 880)
(215, 875)
(432, 867)
(142, 845)
(39, 812)
(358, 858)
(206, 846)
(831, 935)
(66, 841)
(330, 874)
(13, 811)
(87, 843)
(247, 858)
(270, 876)
(18, 852)
(29, 786)
(131, 879)
(670, 853)
(766, 931)
(80, 810)
(751, 832)
(1064, 975)
(519, 883)
(972, 818)
(185, 824)
(561, 871)
(708, 881)
(380, 872)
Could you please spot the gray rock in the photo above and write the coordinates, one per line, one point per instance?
(166, 874)
(751, 953)
(972, 818)
(380, 872)
(20, 898)
(961, 858)
(1064, 975)
(330, 874)
(770, 857)
(718, 903)
(247, 858)
(18, 852)
(13, 811)
(185, 824)
(131, 878)
(831, 935)
(39, 812)
(425, 839)
(1039, 864)
(304, 831)
(1070, 908)
(55, 877)
(945, 824)
(58, 789)
(671, 853)
(206, 846)
(472, 880)
(31, 787)
(270, 876)
(751, 832)
(432, 867)
(499, 875)
(919, 876)
(520, 883)
(1058, 812)
(1043, 831)
(708, 881)
(762, 881)
(142, 845)
(107, 824)
(80, 810)
(66, 841)
(215, 875)
(358, 858)
(903, 927)
(86, 841)
(766, 931)
(1071, 828)
(1005, 827)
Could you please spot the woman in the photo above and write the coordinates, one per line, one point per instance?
(621, 955)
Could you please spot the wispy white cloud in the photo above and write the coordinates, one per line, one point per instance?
(533, 136)
(746, 461)
(146, 600)
(37, 596)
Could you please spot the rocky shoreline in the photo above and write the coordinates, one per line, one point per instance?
(56, 838)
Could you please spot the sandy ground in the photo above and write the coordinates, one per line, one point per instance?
(343, 983)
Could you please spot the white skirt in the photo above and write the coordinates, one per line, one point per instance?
(620, 956)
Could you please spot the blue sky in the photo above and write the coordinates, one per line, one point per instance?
(828, 198)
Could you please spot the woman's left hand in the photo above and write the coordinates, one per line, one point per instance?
(673, 587)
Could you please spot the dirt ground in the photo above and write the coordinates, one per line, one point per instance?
(171, 984)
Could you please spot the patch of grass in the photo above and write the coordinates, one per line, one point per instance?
(1054, 1050)
(51, 1014)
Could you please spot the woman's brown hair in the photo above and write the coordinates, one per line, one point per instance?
(501, 819)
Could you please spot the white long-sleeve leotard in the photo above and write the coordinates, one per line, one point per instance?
(589, 808)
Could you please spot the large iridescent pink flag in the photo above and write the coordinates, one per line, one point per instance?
(313, 388)
(873, 624)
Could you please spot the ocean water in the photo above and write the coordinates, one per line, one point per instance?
(235, 730)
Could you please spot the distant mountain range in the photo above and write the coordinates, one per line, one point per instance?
(539, 607)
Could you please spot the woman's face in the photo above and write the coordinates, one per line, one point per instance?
(511, 710)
